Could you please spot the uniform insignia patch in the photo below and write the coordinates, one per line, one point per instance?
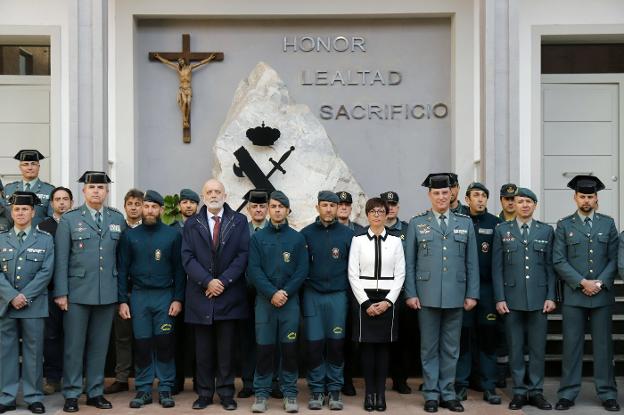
(35, 250)
(292, 335)
(166, 327)
(337, 330)
(485, 247)
(508, 237)
(460, 231)
(335, 253)
(486, 231)
(42, 196)
(5, 266)
(80, 228)
(114, 227)
(286, 256)
(491, 317)
(157, 255)
(402, 237)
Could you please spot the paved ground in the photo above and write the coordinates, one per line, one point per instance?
(586, 404)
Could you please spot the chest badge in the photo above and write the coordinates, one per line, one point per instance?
(571, 234)
(286, 256)
(402, 236)
(485, 247)
(5, 266)
(335, 253)
(157, 255)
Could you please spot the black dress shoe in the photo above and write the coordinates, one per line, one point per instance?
(6, 408)
(348, 389)
(71, 405)
(611, 405)
(453, 405)
(380, 402)
(564, 404)
(401, 387)
(517, 402)
(202, 402)
(99, 402)
(431, 406)
(245, 393)
(36, 408)
(369, 402)
(229, 404)
(540, 402)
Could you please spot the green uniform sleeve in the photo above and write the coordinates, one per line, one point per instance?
(560, 260)
(472, 265)
(62, 247)
(498, 267)
(411, 257)
(550, 270)
(124, 259)
(607, 276)
(40, 282)
(301, 272)
(255, 274)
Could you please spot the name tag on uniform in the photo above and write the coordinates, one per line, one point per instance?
(114, 228)
(486, 231)
(541, 241)
(35, 250)
(460, 231)
(43, 196)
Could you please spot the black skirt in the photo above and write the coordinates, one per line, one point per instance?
(375, 329)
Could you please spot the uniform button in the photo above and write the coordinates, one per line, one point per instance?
(101, 268)
(526, 257)
(591, 251)
(21, 259)
(444, 248)
(101, 257)
(526, 248)
(444, 269)
(590, 241)
(444, 237)
(591, 261)
(101, 248)
(527, 277)
(18, 278)
(527, 267)
(444, 258)
(19, 267)
(591, 271)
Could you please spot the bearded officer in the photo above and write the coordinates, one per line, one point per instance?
(456, 205)
(325, 302)
(278, 265)
(29, 165)
(508, 203)
(27, 262)
(585, 258)
(188, 205)
(442, 280)
(150, 266)
(85, 287)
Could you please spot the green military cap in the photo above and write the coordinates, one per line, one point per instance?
(524, 192)
(94, 177)
(477, 186)
(327, 196)
(154, 197)
(586, 184)
(188, 194)
(437, 181)
(390, 197)
(28, 155)
(508, 190)
(280, 197)
(24, 198)
(344, 197)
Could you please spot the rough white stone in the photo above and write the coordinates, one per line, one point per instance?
(312, 166)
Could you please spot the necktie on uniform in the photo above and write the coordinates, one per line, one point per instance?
(98, 219)
(525, 232)
(215, 231)
(27, 187)
(588, 224)
(21, 236)
(443, 223)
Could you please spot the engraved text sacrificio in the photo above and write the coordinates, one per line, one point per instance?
(350, 78)
(350, 44)
(384, 111)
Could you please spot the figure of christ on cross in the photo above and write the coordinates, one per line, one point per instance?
(182, 63)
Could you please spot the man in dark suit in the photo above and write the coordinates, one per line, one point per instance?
(215, 246)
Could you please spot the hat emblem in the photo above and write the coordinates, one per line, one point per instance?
(343, 195)
(510, 189)
(390, 196)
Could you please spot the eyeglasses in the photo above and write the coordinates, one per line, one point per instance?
(377, 212)
(29, 163)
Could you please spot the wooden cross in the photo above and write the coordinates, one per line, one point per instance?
(182, 62)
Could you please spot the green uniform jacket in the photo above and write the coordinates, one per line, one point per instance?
(442, 269)
(26, 269)
(41, 189)
(86, 258)
(523, 274)
(581, 255)
(278, 260)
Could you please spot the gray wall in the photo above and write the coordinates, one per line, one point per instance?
(383, 154)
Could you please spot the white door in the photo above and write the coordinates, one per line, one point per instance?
(580, 132)
(24, 124)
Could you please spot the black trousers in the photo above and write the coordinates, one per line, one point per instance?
(403, 359)
(53, 343)
(375, 358)
(184, 350)
(215, 346)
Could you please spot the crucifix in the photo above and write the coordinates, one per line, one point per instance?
(182, 63)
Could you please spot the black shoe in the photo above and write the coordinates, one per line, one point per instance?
(369, 402)
(564, 404)
(6, 408)
(99, 402)
(116, 387)
(165, 400)
(36, 408)
(276, 393)
(245, 393)
(401, 386)
(71, 405)
(491, 397)
(517, 402)
(539, 402)
(348, 389)
(453, 405)
(202, 402)
(229, 404)
(380, 402)
(431, 406)
(461, 392)
(611, 405)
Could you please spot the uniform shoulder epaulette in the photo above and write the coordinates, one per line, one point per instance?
(42, 231)
(114, 210)
(566, 217)
(463, 215)
(4, 230)
(603, 215)
(76, 209)
(420, 214)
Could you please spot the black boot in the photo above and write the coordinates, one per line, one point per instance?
(369, 402)
(380, 402)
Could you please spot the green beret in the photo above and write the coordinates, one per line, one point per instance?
(477, 186)
(154, 197)
(188, 194)
(327, 196)
(524, 192)
(280, 197)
